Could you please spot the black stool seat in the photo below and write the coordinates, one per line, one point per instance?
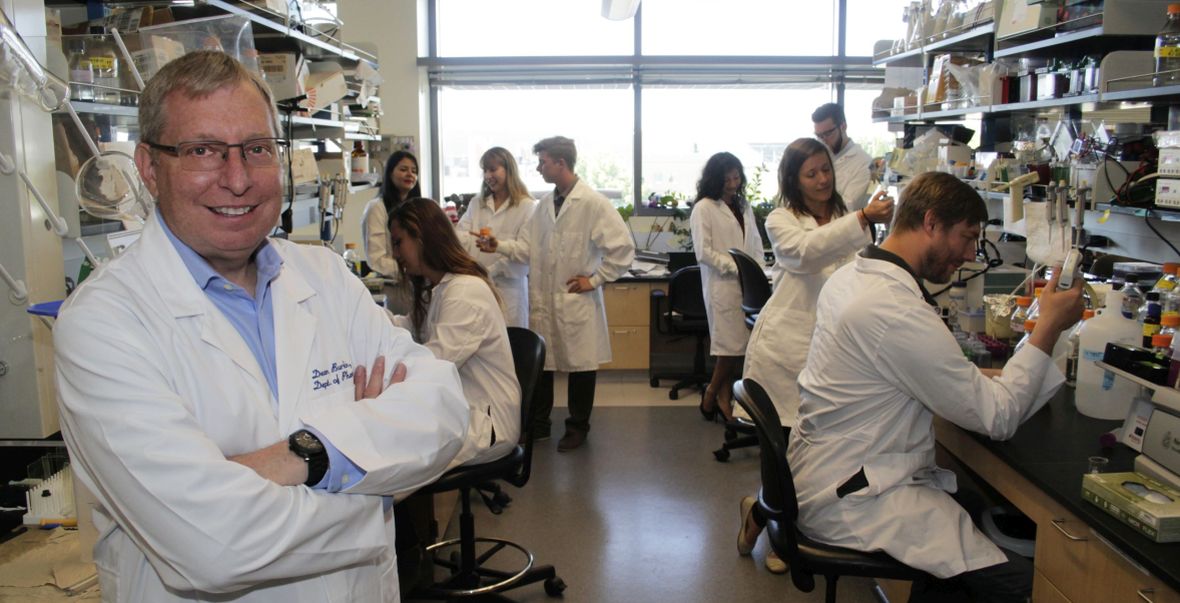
(473, 475)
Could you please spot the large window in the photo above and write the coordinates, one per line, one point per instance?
(470, 28)
(741, 76)
(599, 120)
(739, 27)
(683, 127)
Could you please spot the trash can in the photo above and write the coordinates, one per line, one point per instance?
(1010, 530)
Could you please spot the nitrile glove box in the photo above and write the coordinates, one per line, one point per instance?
(1151, 507)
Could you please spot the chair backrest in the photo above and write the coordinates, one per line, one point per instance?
(777, 497)
(685, 293)
(528, 357)
(681, 259)
(755, 286)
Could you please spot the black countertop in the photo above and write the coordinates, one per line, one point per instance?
(1051, 450)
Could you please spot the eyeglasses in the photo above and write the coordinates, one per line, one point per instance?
(827, 133)
(211, 155)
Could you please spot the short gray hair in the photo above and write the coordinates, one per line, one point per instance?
(558, 147)
(196, 75)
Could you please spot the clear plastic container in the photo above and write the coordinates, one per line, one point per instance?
(1020, 314)
(1099, 394)
(1167, 50)
(81, 72)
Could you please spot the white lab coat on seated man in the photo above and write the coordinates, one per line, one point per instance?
(589, 238)
(852, 174)
(157, 390)
(714, 231)
(465, 325)
(806, 254)
(510, 277)
(881, 365)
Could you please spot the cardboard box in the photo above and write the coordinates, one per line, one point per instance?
(284, 72)
(324, 88)
(1021, 16)
(303, 166)
(1139, 501)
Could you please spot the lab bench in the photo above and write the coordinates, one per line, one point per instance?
(1082, 554)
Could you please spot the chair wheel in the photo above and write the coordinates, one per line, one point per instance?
(501, 498)
(554, 586)
(673, 394)
(655, 382)
(721, 454)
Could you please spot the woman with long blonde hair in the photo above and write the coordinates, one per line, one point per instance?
(503, 206)
(457, 314)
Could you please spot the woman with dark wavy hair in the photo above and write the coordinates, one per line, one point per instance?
(399, 182)
(721, 219)
(812, 233)
(457, 314)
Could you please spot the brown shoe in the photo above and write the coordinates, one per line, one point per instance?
(572, 439)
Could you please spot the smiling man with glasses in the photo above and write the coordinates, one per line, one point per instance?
(851, 161)
(215, 384)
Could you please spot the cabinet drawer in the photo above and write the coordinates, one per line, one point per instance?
(629, 348)
(1044, 591)
(1116, 578)
(627, 305)
(1063, 555)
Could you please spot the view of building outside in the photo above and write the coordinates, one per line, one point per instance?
(599, 120)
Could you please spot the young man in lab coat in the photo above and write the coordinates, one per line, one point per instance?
(881, 366)
(212, 380)
(575, 243)
(850, 161)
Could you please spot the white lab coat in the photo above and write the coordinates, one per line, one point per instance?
(852, 175)
(157, 390)
(806, 254)
(510, 277)
(589, 238)
(399, 293)
(714, 231)
(881, 365)
(465, 325)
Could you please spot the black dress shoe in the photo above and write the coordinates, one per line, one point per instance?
(572, 439)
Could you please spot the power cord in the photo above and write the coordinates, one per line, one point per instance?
(1147, 221)
(988, 263)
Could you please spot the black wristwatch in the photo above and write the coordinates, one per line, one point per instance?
(309, 448)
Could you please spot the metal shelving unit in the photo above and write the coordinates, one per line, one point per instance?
(1162, 396)
(975, 39)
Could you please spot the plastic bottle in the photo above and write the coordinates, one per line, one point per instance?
(1162, 346)
(1167, 49)
(1149, 317)
(352, 258)
(1034, 309)
(1167, 280)
(1027, 329)
(105, 62)
(1133, 297)
(1174, 366)
(1020, 314)
(81, 72)
(1074, 339)
(1099, 393)
(360, 160)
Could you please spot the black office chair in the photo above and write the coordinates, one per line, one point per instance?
(755, 285)
(685, 315)
(776, 500)
(469, 575)
(739, 433)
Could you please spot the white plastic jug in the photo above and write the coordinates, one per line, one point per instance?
(1100, 394)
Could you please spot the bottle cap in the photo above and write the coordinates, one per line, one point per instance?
(1170, 319)
(1173, 9)
(1023, 301)
(1161, 341)
(1171, 267)
(1029, 325)
(1088, 314)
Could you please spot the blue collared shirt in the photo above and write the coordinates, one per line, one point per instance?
(253, 318)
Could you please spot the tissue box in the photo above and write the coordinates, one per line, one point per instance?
(1143, 503)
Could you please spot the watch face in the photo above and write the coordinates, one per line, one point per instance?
(308, 442)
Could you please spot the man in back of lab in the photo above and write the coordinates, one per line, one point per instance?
(213, 385)
(850, 161)
(880, 367)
